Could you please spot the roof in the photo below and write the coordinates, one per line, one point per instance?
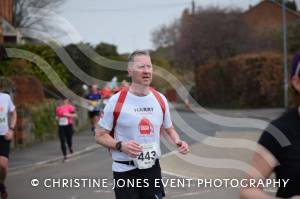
(7, 28)
(276, 4)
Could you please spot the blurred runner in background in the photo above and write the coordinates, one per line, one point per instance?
(94, 99)
(65, 112)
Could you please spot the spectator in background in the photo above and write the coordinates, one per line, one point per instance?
(65, 112)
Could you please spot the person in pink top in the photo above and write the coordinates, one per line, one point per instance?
(65, 112)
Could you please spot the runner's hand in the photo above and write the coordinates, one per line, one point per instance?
(182, 147)
(8, 136)
(131, 148)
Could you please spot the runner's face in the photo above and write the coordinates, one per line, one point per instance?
(66, 101)
(141, 70)
(94, 88)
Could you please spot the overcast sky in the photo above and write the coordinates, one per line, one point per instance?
(128, 23)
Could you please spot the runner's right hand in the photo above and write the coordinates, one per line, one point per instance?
(131, 148)
(8, 136)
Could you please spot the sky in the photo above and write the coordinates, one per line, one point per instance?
(128, 24)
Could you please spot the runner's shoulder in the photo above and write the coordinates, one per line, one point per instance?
(287, 118)
(162, 96)
(5, 96)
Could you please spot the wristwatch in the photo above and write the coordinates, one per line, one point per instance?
(12, 128)
(119, 146)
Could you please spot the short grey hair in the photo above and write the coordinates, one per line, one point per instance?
(137, 53)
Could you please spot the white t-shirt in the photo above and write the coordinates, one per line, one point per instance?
(140, 119)
(6, 106)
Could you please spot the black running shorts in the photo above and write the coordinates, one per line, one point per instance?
(148, 190)
(4, 146)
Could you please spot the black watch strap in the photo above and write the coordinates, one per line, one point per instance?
(12, 128)
(119, 146)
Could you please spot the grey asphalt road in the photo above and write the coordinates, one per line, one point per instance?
(58, 180)
(96, 165)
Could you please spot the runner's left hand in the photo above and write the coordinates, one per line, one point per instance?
(182, 147)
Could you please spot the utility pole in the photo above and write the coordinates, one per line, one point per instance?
(285, 64)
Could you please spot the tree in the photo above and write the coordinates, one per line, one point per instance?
(22, 13)
(294, 37)
(166, 35)
(211, 33)
(107, 50)
(291, 4)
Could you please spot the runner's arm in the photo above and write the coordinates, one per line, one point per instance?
(70, 114)
(131, 147)
(103, 138)
(13, 120)
(173, 136)
(262, 165)
(9, 134)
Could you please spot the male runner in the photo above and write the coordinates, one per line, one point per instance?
(131, 127)
(6, 134)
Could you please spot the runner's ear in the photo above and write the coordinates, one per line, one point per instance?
(129, 70)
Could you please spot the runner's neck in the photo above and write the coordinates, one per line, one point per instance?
(139, 90)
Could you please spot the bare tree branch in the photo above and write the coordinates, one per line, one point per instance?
(22, 13)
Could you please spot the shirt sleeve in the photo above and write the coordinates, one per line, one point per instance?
(57, 112)
(167, 123)
(269, 142)
(11, 106)
(106, 121)
(72, 109)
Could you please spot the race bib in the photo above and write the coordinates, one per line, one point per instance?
(63, 121)
(148, 157)
(3, 120)
(94, 103)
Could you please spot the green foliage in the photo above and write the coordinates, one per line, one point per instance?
(294, 37)
(107, 50)
(12, 66)
(93, 69)
(43, 118)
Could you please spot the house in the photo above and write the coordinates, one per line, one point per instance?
(267, 14)
(8, 34)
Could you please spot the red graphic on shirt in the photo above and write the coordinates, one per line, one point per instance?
(1, 109)
(145, 127)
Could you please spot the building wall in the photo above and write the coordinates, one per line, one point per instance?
(6, 7)
(268, 15)
(6, 12)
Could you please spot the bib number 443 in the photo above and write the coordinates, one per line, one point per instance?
(147, 158)
(149, 155)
